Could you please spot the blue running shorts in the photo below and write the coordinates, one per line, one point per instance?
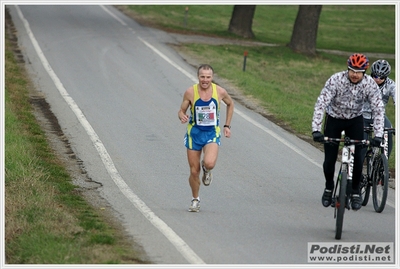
(196, 139)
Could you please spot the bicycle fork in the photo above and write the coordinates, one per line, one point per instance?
(347, 169)
(385, 143)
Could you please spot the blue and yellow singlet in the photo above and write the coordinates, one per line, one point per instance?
(203, 127)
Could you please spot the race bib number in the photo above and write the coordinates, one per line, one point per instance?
(206, 115)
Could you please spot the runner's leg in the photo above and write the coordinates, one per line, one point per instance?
(210, 155)
(194, 164)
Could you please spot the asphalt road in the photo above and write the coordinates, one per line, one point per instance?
(116, 87)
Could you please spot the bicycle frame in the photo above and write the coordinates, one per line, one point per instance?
(376, 175)
(385, 142)
(348, 159)
(375, 150)
(385, 138)
(348, 152)
(341, 200)
(374, 154)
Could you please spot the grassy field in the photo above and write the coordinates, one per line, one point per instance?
(286, 84)
(49, 222)
(363, 28)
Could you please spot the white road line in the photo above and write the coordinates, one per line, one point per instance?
(179, 244)
(114, 16)
(193, 78)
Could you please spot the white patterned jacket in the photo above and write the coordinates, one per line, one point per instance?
(342, 99)
(387, 88)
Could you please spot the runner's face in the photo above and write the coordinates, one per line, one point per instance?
(205, 78)
(355, 77)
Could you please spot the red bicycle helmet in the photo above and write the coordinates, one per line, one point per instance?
(358, 61)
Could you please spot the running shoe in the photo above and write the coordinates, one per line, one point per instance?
(195, 206)
(207, 176)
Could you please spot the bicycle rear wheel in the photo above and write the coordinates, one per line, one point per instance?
(365, 186)
(380, 182)
(340, 203)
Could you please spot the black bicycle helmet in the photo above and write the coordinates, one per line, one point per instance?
(358, 61)
(380, 68)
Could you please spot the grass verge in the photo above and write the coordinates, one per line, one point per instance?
(47, 220)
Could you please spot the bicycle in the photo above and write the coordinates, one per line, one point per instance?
(376, 172)
(341, 193)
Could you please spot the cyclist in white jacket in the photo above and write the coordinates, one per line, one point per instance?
(380, 71)
(340, 105)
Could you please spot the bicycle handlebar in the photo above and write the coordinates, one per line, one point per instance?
(370, 129)
(346, 140)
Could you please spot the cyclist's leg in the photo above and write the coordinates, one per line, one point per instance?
(367, 123)
(333, 128)
(354, 130)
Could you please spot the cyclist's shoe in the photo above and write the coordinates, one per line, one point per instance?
(207, 176)
(195, 206)
(327, 198)
(356, 201)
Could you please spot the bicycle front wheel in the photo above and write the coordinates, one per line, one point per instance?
(380, 182)
(365, 186)
(340, 204)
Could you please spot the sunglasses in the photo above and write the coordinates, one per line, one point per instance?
(375, 76)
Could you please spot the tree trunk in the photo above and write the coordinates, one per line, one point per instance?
(242, 21)
(304, 36)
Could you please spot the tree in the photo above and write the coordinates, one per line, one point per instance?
(304, 36)
(242, 21)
